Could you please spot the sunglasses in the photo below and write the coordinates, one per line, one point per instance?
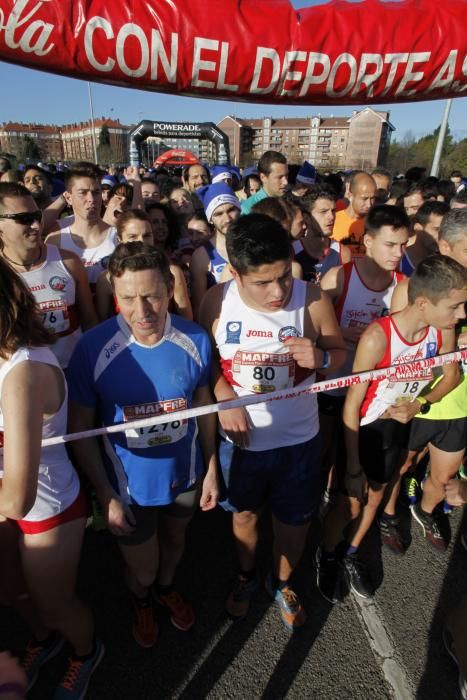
(26, 218)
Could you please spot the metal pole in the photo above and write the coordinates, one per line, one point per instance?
(93, 133)
(441, 137)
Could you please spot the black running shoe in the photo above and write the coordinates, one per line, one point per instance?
(430, 527)
(328, 576)
(391, 536)
(356, 576)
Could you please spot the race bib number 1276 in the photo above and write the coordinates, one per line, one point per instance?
(170, 431)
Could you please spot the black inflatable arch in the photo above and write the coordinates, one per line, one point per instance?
(193, 130)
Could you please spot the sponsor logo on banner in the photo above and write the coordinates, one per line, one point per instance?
(288, 332)
(234, 331)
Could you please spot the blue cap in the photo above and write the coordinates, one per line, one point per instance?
(212, 196)
(307, 174)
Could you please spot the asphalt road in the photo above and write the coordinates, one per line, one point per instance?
(348, 651)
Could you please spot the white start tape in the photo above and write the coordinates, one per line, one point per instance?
(396, 372)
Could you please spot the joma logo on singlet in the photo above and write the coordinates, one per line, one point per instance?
(259, 334)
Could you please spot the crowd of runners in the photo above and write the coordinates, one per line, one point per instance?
(132, 293)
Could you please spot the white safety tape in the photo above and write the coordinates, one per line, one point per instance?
(395, 372)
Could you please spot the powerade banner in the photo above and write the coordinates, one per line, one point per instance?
(256, 50)
(192, 130)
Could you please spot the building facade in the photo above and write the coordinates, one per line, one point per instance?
(335, 143)
(69, 142)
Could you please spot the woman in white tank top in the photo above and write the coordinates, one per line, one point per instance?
(42, 509)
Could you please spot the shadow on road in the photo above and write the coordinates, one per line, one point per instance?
(436, 682)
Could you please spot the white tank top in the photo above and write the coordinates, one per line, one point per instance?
(406, 384)
(58, 484)
(54, 289)
(94, 259)
(253, 360)
(358, 306)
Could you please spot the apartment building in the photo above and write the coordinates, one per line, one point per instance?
(69, 142)
(46, 136)
(358, 141)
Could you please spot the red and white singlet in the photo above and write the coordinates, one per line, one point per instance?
(58, 484)
(254, 360)
(358, 306)
(404, 384)
(94, 259)
(54, 290)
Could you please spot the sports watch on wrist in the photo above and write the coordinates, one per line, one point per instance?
(425, 405)
(325, 364)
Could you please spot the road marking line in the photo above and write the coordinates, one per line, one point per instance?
(383, 647)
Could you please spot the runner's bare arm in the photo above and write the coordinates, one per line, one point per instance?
(399, 298)
(88, 458)
(370, 351)
(24, 395)
(199, 281)
(235, 422)
(332, 283)
(181, 298)
(131, 173)
(207, 436)
(86, 312)
(104, 296)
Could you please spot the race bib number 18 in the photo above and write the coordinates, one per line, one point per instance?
(162, 434)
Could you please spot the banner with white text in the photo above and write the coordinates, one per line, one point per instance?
(252, 50)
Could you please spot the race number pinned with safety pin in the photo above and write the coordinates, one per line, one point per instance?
(162, 434)
(55, 315)
(263, 371)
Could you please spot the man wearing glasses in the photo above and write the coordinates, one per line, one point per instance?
(56, 277)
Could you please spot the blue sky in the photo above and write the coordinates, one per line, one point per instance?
(35, 96)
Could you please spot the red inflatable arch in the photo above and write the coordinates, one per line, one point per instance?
(257, 50)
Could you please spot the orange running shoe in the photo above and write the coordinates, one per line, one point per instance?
(180, 611)
(292, 613)
(145, 630)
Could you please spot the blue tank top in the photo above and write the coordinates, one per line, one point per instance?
(313, 268)
(406, 266)
(216, 264)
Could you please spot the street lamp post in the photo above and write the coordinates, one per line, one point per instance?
(93, 133)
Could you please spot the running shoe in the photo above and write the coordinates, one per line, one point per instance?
(356, 576)
(328, 576)
(449, 644)
(292, 613)
(238, 601)
(180, 611)
(36, 655)
(391, 535)
(462, 473)
(430, 526)
(145, 629)
(78, 674)
(411, 488)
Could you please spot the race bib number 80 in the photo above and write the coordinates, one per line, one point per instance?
(162, 434)
(261, 371)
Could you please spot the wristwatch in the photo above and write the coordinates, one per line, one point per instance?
(325, 364)
(426, 405)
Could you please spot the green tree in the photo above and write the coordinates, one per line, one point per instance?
(29, 149)
(105, 154)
